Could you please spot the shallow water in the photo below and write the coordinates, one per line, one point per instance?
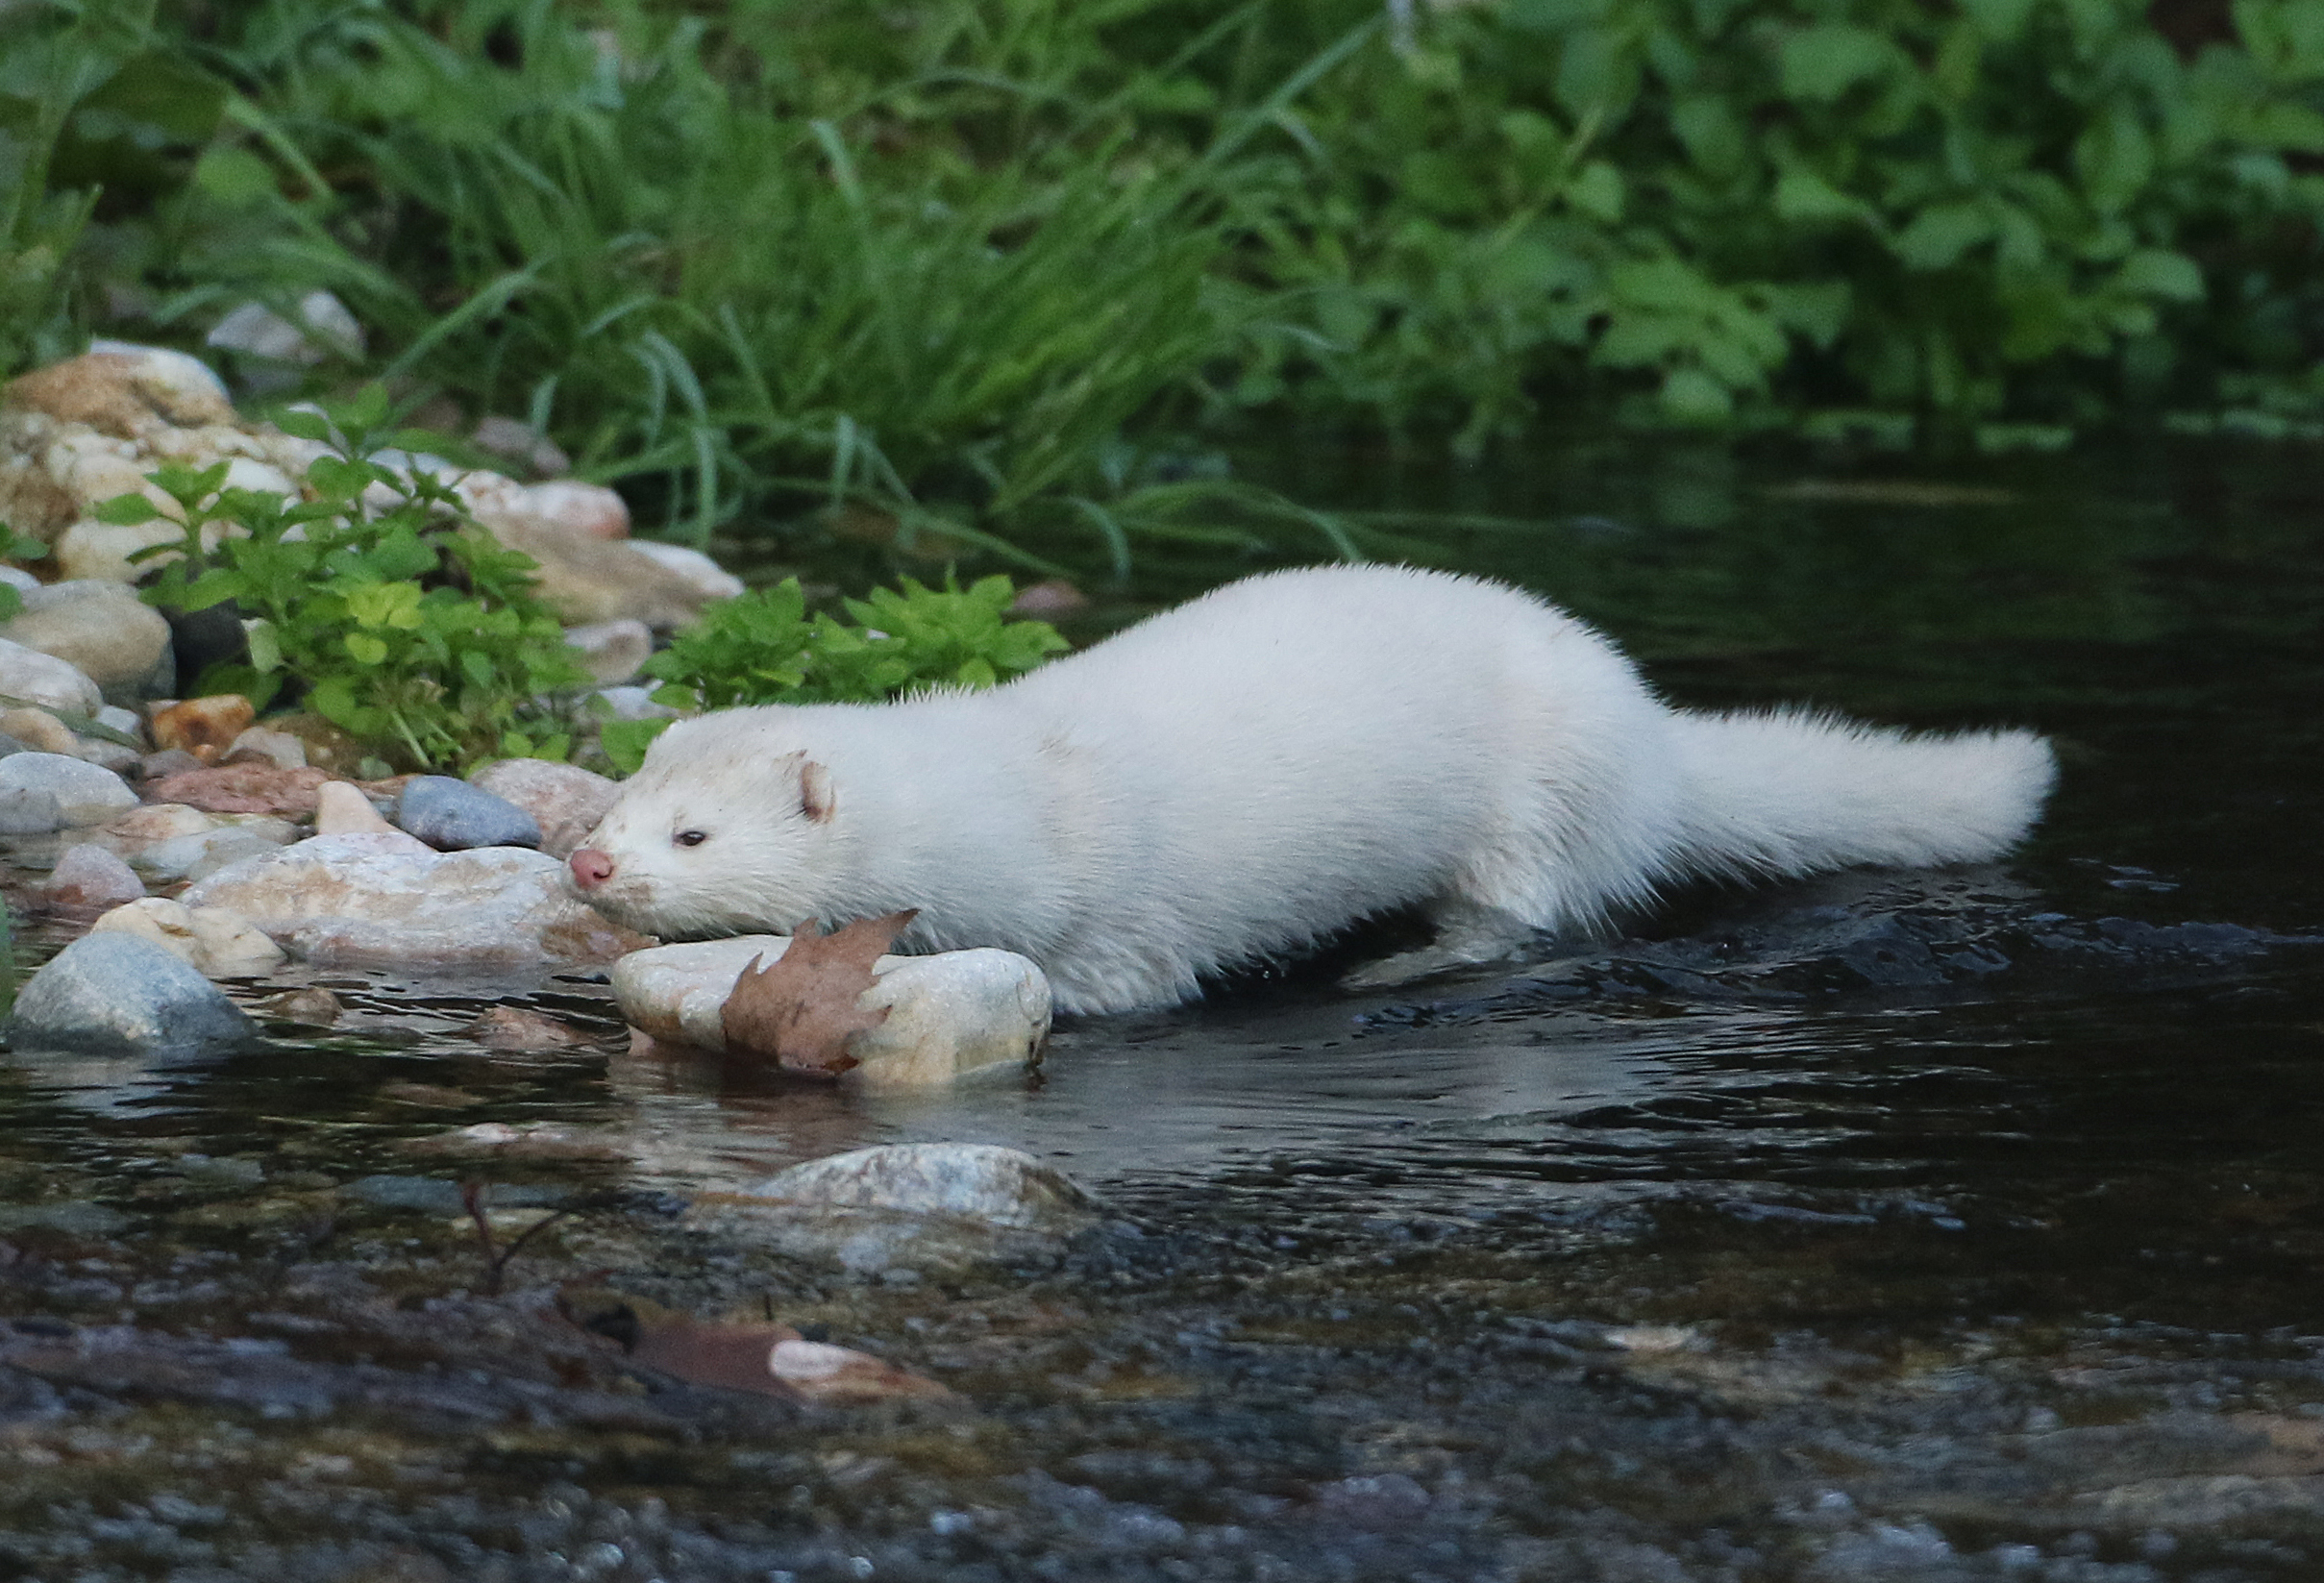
(1889, 1226)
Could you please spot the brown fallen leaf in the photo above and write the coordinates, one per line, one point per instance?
(766, 1359)
(800, 1010)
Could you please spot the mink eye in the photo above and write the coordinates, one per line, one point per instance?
(690, 838)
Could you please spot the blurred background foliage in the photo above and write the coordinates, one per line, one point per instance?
(1015, 275)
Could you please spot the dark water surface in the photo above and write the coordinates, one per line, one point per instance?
(1891, 1227)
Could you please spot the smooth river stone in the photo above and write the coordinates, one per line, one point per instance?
(116, 992)
(452, 816)
(86, 794)
(373, 899)
(950, 1015)
(565, 799)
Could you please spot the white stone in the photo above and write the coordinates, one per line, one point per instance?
(202, 854)
(184, 382)
(84, 793)
(341, 808)
(18, 579)
(612, 651)
(101, 629)
(27, 676)
(219, 942)
(369, 900)
(705, 575)
(279, 749)
(324, 327)
(950, 1015)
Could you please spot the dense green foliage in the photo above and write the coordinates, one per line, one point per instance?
(763, 648)
(409, 627)
(1005, 273)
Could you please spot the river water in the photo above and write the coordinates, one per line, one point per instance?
(1889, 1226)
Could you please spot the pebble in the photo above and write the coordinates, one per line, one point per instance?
(85, 793)
(900, 1211)
(454, 816)
(27, 676)
(951, 1015)
(116, 992)
(261, 744)
(700, 573)
(156, 766)
(202, 727)
(565, 799)
(90, 878)
(386, 899)
(216, 941)
(341, 808)
(103, 631)
(39, 731)
(611, 652)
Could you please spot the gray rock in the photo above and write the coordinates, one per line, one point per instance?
(454, 816)
(103, 631)
(89, 878)
(9, 744)
(900, 1211)
(565, 798)
(27, 676)
(199, 855)
(116, 992)
(383, 899)
(29, 810)
(86, 794)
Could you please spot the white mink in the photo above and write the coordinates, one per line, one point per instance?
(1246, 773)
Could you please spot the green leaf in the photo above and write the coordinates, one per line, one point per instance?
(626, 741)
(1802, 195)
(306, 425)
(366, 648)
(1596, 190)
(265, 644)
(1942, 232)
(1822, 62)
(2115, 158)
(126, 510)
(2155, 272)
(1691, 396)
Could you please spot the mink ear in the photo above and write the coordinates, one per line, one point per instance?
(815, 792)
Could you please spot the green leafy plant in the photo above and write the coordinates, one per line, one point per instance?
(765, 648)
(403, 624)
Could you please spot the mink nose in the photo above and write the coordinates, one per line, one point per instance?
(590, 867)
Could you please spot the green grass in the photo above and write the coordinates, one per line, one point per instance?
(1004, 278)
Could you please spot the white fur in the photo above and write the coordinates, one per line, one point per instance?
(1246, 773)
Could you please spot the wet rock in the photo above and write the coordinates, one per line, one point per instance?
(29, 810)
(27, 676)
(216, 941)
(102, 630)
(85, 793)
(565, 799)
(202, 727)
(906, 1209)
(454, 816)
(950, 1015)
(370, 900)
(262, 744)
(242, 788)
(611, 652)
(115, 992)
(514, 1028)
(90, 879)
(40, 731)
(313, 1005)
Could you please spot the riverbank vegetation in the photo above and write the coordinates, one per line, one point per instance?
(1014, 277)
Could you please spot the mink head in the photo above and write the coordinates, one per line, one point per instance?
(719, 832)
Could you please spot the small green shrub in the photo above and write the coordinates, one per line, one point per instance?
(409, 627)
(763, 648)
